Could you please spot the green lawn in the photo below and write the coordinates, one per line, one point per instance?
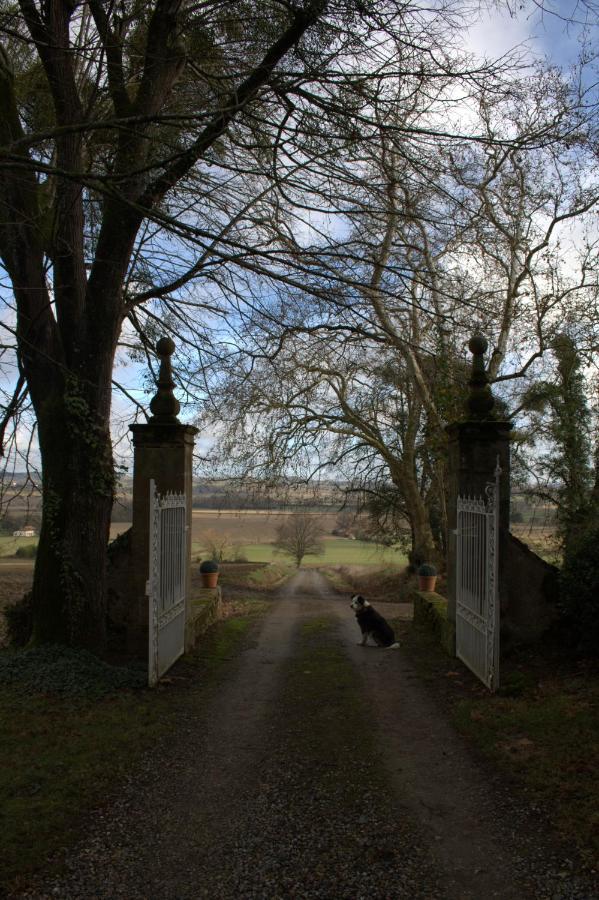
(338, 552)
(9, 544)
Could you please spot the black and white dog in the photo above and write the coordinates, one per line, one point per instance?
(372, 624)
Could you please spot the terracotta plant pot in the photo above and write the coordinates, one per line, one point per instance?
(209, 579)
(427, 582)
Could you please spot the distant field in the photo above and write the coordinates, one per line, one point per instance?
(10, 545)
(252, 526)
(338, 552)
(247, 526)
(252, 532)
(542, 540)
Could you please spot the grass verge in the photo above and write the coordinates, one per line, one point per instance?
(255, 576)
(381, 582)
(541, 729)
(63, 753)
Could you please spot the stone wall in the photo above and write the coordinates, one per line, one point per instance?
(119, 586)
(205, 610)
(530, 606)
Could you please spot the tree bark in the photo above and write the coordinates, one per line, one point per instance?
(423, 542)
(69, 586)
(70, 574)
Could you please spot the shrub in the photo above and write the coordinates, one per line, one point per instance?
(579, 592)
(27, 551)
(426, 569)
(19, 620)
(209, 565)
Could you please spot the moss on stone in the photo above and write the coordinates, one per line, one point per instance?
(430, 614)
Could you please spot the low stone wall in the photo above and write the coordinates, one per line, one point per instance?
(430, 614)
(205, 610)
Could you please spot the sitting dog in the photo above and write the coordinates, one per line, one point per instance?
(372, 624)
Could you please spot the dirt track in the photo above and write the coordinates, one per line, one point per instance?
(244, 804)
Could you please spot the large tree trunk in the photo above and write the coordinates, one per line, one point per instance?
(69, 585)
(67, 337)
(70, 574)
(423, 542)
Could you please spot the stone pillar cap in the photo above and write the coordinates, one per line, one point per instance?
(165, 405)
(480, 400)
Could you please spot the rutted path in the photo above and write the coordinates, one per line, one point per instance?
(321, 769)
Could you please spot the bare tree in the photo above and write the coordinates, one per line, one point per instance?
(141, 148)
(467, 239)
(218, 545)
(300, 535)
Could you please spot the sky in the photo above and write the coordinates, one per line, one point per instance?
(554, 36)
(542, 35)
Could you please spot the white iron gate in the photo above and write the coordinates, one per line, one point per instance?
(166, 584)
(477, 609)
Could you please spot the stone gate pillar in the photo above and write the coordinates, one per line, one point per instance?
(476, 445)
(163, 450)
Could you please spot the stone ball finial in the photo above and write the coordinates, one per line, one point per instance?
(165, 346)
(165, 405)
(480, 401)
(478, 344)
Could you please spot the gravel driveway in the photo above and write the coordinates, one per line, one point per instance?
(251, 799)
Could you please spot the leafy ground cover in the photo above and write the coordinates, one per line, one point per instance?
(66, 672)
(73, 727)
(541, 729)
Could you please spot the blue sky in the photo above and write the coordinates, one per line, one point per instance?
(555, 36)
